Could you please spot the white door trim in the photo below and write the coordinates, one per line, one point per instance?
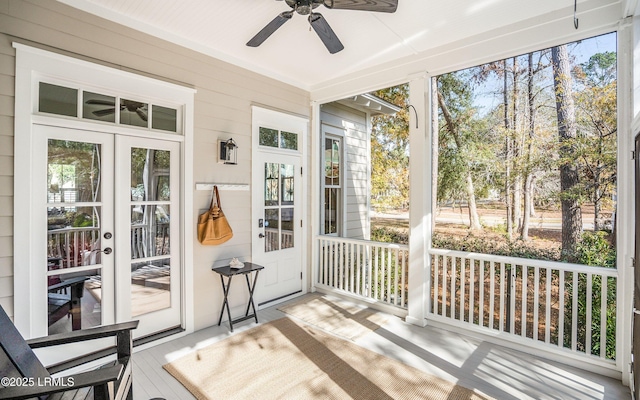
(285, 121)
(32, 65)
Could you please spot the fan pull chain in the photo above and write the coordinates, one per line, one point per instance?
(575, 13)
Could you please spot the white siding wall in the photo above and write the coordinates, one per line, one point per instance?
(356, 165)
(222, 109)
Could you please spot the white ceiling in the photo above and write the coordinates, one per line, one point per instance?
(294, 54)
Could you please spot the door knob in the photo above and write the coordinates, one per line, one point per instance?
(261, 235)
(107, 250)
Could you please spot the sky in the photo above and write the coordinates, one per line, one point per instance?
(488, 94)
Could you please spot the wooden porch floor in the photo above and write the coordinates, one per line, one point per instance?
(491, 369)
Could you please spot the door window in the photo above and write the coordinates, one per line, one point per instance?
(74, 292)
(279, 189)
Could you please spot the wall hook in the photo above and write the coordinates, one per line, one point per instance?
(575, 13)
(415, 111)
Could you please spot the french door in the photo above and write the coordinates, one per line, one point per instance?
(112, 216)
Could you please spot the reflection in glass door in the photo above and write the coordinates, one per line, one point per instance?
(77, 255)
(278, 206)
(149, 273)
(150, 230)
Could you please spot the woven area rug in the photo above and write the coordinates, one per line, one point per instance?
(339, 317)
(284, 359)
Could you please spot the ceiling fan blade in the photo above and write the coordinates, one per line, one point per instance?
(102, 113)
(325, 32)
(100, 102)
(141, 114)
(388, 6)
(269, 29)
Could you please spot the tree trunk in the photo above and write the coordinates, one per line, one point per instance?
(434, 151)
(474, 220)
(571, 212)
(528, 179)
(516, 151)
(507, 152)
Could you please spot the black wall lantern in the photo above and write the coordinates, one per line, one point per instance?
(227, 152)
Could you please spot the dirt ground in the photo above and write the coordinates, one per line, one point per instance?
(544, 231)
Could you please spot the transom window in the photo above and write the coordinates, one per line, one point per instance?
(85, 104)
(278, 139)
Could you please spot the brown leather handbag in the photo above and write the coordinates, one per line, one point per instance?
(213, 227)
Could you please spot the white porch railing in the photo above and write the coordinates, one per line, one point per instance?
(567, 306)
(373, 270)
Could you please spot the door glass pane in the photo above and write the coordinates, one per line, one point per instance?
(73, 171)
(271, 184)
(164, 118)
(74, 300)
(59, 100)
(134, 113)
(335, 162)
(287, 227)
(330, 210)
(99, 107)
(271, 229)
(73, 176)
(150, 286)
(150, 230)
(150, 175)
(287, 174)
(289, 140)
(268, 137)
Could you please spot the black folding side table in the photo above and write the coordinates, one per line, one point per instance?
(230, 273)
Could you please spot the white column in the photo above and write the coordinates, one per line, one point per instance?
(419, 199)
(627, 85)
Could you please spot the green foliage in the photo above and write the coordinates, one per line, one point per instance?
(390, 152)
(389, 235)
(595, 249)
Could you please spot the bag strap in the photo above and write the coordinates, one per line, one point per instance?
(216, 195)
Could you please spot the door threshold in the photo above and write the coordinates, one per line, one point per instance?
(278, 299)
(156, 336)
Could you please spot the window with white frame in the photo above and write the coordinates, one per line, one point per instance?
(332, 185)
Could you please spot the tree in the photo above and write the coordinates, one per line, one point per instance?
(390, 151)
(457, 127)
(597, 123)
(569, 178)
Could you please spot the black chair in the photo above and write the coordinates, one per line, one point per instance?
(18, 362)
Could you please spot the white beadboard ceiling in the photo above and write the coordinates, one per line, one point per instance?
(294, 53)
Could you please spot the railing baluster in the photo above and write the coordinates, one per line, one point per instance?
(445, 263)
(376, 282)
(589, 319)
(452, 292)
(524, 297)
(396, 270)
(547, 307)
(512, 300)
(502, 295)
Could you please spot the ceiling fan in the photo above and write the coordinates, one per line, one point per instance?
(317, 21)
(129, 105)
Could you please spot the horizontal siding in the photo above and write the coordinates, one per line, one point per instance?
(356, 165)
(223, 102)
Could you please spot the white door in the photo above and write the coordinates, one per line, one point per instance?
(278, 203)
(109, 228)
(277, 226)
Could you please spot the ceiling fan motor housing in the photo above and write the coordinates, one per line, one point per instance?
(303, 7)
